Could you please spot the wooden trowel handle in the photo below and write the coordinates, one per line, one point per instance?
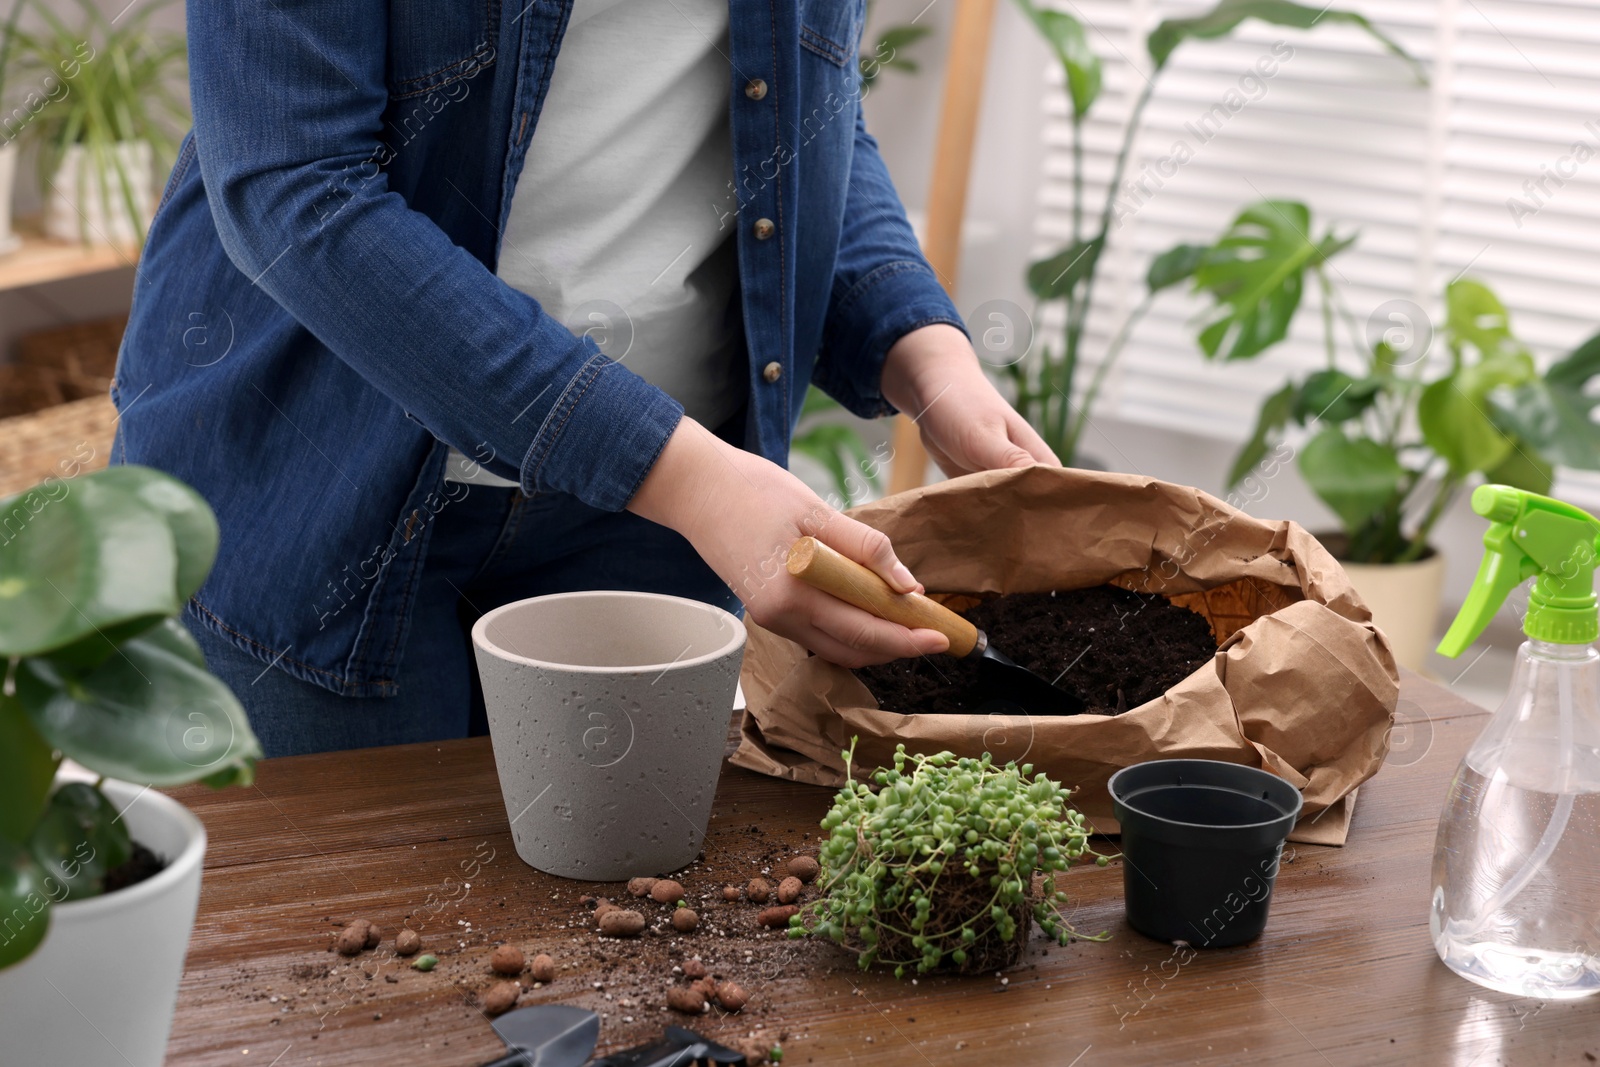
(822, 568)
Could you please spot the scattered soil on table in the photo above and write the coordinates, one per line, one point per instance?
(1113, 647)
(141, 865)
(730, 972)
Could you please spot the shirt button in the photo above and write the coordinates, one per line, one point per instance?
(755, 89)
(772, 371)
(764, 228)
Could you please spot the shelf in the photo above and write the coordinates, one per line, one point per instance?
(42, 259)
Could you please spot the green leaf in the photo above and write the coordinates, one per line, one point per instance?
(1576, 368)
(1226, 16)
(1454, 413)
(1274, 416)
(1055, 277)
(27, 767)
(194, 538)
(842, 452)
(1475, 316)
(1256, 273)
(80, 557)
(1176, 264)
(24, 904)
(1354, 477)
(816, 402)
(145, 715)
(1523, 468)
(1557, 420)
(172, 636)
(1332, 396)
(1068, 38)
(194, 526)
(79, 839)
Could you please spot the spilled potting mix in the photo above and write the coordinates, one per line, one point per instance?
(1111, 646)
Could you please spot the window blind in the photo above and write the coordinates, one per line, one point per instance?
(1491, 170)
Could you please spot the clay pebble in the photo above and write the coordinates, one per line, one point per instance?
(666, 891)
(619, 923)
(507, 960)
(501, 998)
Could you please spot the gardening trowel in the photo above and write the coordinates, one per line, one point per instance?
(678, 1048)
(1002, 680)
(546, 1035)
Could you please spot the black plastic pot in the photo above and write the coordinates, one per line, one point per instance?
(1201, 841)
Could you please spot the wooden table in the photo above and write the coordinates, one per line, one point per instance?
(1345, 973)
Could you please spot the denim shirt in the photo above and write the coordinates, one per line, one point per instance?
(316, 315)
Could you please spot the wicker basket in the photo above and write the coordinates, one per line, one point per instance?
(25, 388)
(61, 441)
(83, 356)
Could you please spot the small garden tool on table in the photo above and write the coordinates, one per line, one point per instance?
(560, 1035)
(1007, 686)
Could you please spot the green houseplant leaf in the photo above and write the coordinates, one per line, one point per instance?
(1176, 264)
(1274, 416)
(99, 559)
(1354, 477)
(146, 714)
(79, 839)
(1256, 274)
(91, 559)
(24, 904)
(1226, 16)
(27, 767)
(1334, 396)
(1055, 277)
(1475, 316)
(1454, 413)
(1067, 36)
(1523, 468)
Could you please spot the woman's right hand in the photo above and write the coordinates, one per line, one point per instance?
(742, 512)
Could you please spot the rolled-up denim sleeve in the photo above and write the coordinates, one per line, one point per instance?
(883, 288)
(288, 107)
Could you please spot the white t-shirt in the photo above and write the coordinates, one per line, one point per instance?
(618, 225)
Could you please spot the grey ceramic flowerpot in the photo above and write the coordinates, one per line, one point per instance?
(609, 716)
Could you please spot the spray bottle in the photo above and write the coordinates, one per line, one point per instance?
(1516, 868)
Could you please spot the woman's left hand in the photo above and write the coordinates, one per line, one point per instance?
(933, 375)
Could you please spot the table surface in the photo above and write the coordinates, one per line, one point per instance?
(1345, 972)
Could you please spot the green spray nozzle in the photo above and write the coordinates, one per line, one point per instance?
(1532, 536)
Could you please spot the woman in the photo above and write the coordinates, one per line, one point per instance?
(373, 320)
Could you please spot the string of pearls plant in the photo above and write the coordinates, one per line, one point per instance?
(945, 864)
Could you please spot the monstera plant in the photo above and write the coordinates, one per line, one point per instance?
(93, 572)
(1396, 425)
(1045, 390)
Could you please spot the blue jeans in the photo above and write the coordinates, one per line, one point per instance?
(489, 548)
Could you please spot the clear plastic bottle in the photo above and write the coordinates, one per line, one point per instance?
(1516, 870)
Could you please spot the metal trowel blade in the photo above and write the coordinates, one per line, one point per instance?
(550, 1035)
(1004, 681)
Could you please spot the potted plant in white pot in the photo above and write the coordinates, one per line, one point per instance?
(100, 141)
(8, 141)
(1396, 431)
(99, 873)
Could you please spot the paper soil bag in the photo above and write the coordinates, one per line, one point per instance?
(1302, 685)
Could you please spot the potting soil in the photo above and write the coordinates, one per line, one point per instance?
(1113, 647)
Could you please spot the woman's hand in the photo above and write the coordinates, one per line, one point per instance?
(742, 512)
(933, 375)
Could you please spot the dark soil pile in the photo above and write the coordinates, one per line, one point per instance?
(141, 865)
(1113, 647)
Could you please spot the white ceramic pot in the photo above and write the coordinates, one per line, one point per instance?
(1404, 598)
(102, 986)
(609, 713)
(85, 205)
(8, 178)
